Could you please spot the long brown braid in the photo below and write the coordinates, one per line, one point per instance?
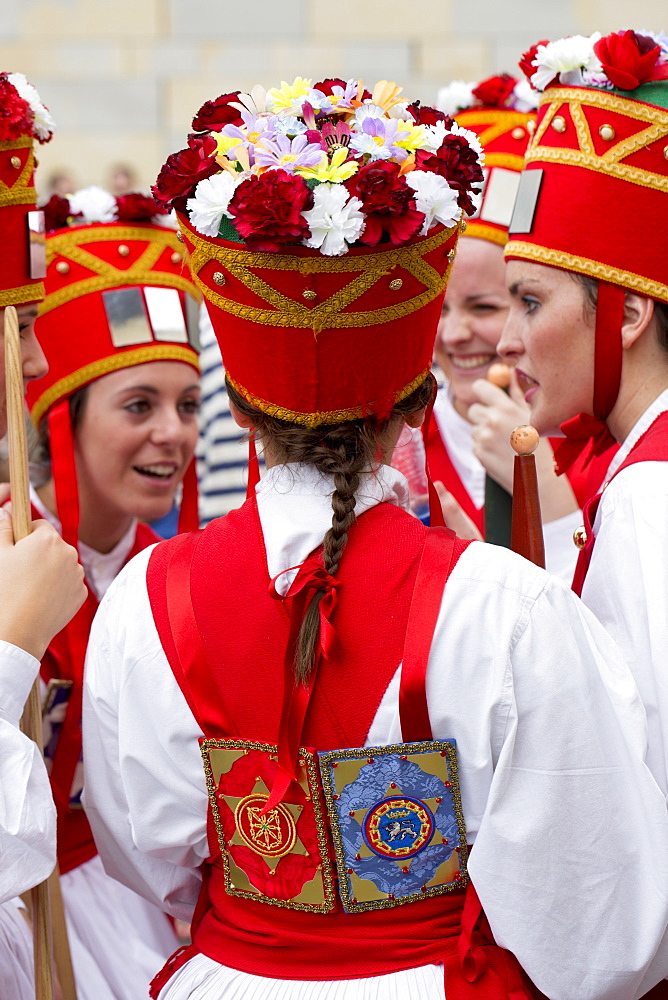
(343, 451)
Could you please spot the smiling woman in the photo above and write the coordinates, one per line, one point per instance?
(117, 416)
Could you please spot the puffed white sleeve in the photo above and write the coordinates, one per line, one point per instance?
(27, 812)
(571, 856)
(144, 788)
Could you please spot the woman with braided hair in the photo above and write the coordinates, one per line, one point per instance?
(298, 720)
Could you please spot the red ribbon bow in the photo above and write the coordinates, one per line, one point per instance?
(580, 432)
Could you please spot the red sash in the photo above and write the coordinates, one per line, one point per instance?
(225, 639)
(442, 469)
(64, 659)
(652, 446)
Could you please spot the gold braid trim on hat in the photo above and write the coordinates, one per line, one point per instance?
(19, 193)
(482, 231)
(69, 245)
(323, 416)
(586, 156)
(501, 121)
(512, 161)
(328, 314)
(115, 362)
(592, 268)
(24, 293)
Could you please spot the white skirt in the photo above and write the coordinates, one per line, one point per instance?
(118, 940)
(17, 980)
(203, 979)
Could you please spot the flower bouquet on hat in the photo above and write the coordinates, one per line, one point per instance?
(328, 214)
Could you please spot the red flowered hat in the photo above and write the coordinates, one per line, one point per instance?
(501, 112)
(23, 118)
(118, 294)
(320, 223)
(597, 166)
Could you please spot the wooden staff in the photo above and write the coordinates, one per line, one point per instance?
(48, 915)
(498, 501)
(527, 525)
(31, 723)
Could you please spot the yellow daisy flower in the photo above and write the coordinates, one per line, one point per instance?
(283, 98)
(334, 171)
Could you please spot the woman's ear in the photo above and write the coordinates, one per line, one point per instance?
(638, 314)
(240, 418)
(416, 419)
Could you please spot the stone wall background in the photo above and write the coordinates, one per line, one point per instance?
(123, 78)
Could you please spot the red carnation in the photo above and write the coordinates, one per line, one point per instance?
(495, 91)
(327, 87)
(138, 207)
(458, 163)
(526, 62)
(628, 59)
(387, 202)
(267, 209)
(184, 170)
(214, 115)
(16, 117)
(57, 213)
(424, 115)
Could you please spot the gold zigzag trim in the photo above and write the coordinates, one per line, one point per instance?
(485, 232)
(71, 246)
(501, 122)
(592, 268)
(24, 293)
(322, 416)
(327, 314)
(585, 156)
(20, 192)
(96, 369)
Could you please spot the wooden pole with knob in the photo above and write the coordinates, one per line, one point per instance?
(526, 536)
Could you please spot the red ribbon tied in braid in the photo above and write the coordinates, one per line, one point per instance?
(311, 578)
(586, 431)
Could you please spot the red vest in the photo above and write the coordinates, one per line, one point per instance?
(652, 446)
(225, 639)
(64, 660)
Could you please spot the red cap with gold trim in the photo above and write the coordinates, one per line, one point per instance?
(598, 162)
(501, 112)
(321, 223)
(593, 198)
(118, 293)
(22, 263)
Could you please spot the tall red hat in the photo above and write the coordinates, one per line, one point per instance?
(22, 260)
(501, 112)
(321, 223)
(118, 294)
(594, 195)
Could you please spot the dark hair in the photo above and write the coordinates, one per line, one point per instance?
(344, 451)
(590, 287)
(42, 450)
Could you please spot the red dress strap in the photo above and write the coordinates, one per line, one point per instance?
(442, 468)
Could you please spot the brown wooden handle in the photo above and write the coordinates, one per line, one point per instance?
(526, 534)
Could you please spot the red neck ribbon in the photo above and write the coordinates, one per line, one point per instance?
(189, 512)
(64, 470)
(253, 467)
(591, 432)
(311, 577)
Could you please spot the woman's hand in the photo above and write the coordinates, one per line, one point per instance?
(454, 516)
(41, 585)
(495, 416)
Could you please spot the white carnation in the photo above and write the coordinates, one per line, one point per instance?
(566, 58)
(44, 124)
(524, 97)
(435, 198)
(433, 136)
(455, 97)
(471, 138)
(93, 204)
(335, 220)
(401, 111)
(212, 196)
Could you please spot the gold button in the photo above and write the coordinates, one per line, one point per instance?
(15, 162)
(531, 126)
(62, 267)
(580, 537)
(309, 294)
(124, 250)
(665, 152)
(396, 284)
(219, 279)
(559, 124)
(518, 133)
(179, 236)
(176, 257)
(607, 132)
(462, 225)
(451, 255)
